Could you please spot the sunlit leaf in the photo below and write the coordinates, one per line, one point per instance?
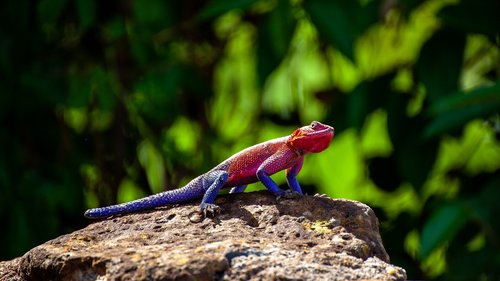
(185, 135)
(76, 118)
(128, 191)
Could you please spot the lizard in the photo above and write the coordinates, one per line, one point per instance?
(250, 165)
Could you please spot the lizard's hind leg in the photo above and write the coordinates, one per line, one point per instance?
(212, 182)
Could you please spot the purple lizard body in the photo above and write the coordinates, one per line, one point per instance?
(255, 163)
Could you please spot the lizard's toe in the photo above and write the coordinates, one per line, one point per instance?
(209, 208)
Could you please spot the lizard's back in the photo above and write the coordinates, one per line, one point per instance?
(242, 166)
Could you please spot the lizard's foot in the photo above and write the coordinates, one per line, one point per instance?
(209, 208)
(289, 194)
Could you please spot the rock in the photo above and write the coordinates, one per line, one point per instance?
(255, 237)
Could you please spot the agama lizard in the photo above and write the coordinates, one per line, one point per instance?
(255, 163)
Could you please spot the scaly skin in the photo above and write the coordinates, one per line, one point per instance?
(250, 165)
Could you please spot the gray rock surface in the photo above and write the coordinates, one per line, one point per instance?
(255, 237)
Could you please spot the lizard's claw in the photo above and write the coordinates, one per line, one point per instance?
(289, 194)
(209, 208)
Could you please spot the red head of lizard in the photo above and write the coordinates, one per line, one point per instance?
(313, 138)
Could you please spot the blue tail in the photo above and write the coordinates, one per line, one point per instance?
(181, 195)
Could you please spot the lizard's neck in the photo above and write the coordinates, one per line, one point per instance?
(297, 151)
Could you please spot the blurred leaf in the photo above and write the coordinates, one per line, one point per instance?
(467, 265)
(79, 89)
(185, 135)
(479, 96)
(102, 86)
(453, 112)
(114, 29)
(442, 226)
(196, 83)
(341, 22)
(152, 162)
(100, 120)
(407, 6)
(367, 97)
(458, 245)
(274, 36)
(486, 204)
(394, 235)
(471, 16)
(157, 94)
(87, 10)
(128, 191)
(50, 10)
(415, 156)
(351, 110)
(140, 49)
(76, 118)
(383, 172)
(439, 66)
(337, 111)
(43, 85)
(218, 7)
(153, 13)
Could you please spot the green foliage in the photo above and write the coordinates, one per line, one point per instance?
(106, 101)
(443, 225)
(342, 22)
(453, 112)
(439, 66)
(274, 35)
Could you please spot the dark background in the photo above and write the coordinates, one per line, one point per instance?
(106, 101)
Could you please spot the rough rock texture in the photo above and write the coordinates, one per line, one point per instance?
(255, 237)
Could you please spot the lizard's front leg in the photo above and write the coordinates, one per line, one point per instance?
(267, 168)
(291, 177)
(264, 177)
(212, 182)
(280, 161)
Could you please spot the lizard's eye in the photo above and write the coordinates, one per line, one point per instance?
(314, 124)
